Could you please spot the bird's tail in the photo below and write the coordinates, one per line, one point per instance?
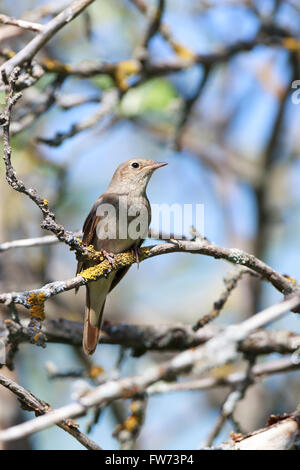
(96, 293)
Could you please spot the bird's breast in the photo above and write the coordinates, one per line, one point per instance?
(126, 225)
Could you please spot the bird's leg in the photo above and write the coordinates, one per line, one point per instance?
(135, 252)
(108, 256)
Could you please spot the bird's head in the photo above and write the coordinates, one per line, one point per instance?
(133, 175)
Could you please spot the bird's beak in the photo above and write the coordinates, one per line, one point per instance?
(158, 165)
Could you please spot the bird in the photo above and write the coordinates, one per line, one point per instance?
(124, 198)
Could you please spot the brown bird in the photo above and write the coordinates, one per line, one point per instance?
(118, 221)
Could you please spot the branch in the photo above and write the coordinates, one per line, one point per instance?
(31, 242)
(284, 434)
(230, 403)
(260, 370)
(52, 239)
(49, 221)
(29, 25)
(154, 24)
(160, 337)
(106, 107)
(29, 51)
(236, 256)
(221, 349)
(32, 403)
(34, 15)
(230, 284)
(30, 116)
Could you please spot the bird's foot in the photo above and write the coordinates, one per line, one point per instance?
(136, 252)
(109, 257)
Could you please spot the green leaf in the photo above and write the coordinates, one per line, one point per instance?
(156, 95)
(105, 82)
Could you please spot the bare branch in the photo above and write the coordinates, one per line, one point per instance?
(230, 284)
(106, 108)
(220, 350)
(142, 338)
(31, 242)
(154, 24)
(34, 15)
(49, 221)
(284, 434)
(29, 25)
(258, 371)
(32, 403)
(29, 51)
(230, 403)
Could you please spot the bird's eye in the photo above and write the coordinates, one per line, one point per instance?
(135, 165)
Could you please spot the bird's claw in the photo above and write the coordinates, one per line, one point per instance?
(109, 257)
(136, 252)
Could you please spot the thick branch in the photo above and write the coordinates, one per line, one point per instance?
(284, 434)
(160, 337)
(220, 350)
(234, 255)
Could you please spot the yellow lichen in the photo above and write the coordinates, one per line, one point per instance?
(104, 267)
(36, 337)
(135, 407)
(45, 201)
(56, 66)
(96, 271)
(183, 51)
(293, 281)
(124, 70)
(131, 423)
(10, 53)
(291, 44)
(96, 371)
(37, 305)
(222, 371)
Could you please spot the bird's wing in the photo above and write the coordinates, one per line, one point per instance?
(96, 291)
(121, 272)
(89, 230)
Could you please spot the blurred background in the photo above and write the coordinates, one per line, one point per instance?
(230, 134)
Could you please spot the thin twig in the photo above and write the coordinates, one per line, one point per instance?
(106, 108)
(230, 403)
(32, 403)
(230, 283)
(49, 221)
(49, 30)
(29, 25)
(265, 369)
